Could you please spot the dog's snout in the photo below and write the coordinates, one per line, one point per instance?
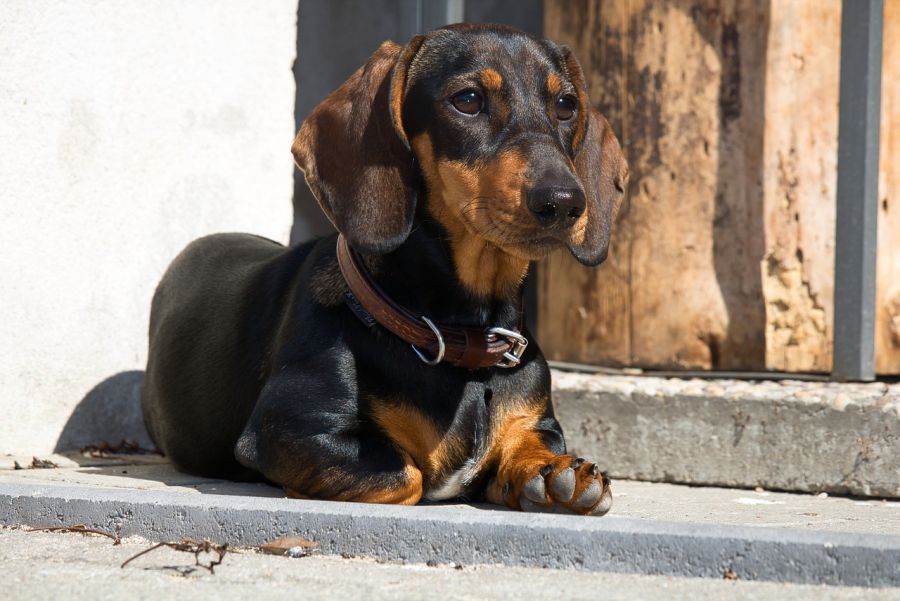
(556, 206)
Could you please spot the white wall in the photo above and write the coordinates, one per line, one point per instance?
(126, 130)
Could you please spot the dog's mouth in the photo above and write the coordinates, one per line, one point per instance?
(517, 235)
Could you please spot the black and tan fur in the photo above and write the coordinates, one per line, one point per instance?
(257, 366)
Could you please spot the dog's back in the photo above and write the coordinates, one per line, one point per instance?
(197, 362)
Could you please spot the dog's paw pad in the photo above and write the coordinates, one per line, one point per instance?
(566, 485)
(532, 507)
(604, 505)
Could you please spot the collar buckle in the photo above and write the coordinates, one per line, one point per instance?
(517, 345)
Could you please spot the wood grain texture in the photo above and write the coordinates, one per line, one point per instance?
(802, 88)
(584, 314)
(692, 134)
(694, 274)
(723, 255)
(887, 303)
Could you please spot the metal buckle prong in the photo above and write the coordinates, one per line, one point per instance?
(441, 347)
(513, 356)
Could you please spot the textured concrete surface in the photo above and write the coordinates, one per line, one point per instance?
(72, 566)
(701, 506)
(800, 542)
(129, 129)
(789, 435)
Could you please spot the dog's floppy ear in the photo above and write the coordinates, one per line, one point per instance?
(355, 155)
(604, 173)
(602, 169)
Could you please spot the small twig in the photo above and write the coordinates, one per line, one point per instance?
(144, 552)
(36, 464)
(124, 447)
(189, 546)
(81, 529)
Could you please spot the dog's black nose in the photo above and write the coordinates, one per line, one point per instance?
(554, 206)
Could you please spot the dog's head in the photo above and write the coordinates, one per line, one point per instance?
(499, 125)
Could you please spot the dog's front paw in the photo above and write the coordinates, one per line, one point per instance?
(565, 485)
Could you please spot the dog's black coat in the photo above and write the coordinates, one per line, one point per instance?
(259, 368)
(238, 341)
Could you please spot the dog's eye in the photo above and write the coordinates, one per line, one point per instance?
(565, 108)
(468, 102)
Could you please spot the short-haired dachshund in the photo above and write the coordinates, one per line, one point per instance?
(389, 363)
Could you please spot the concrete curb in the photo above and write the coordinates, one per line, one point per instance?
(470, 535)
(786, 435)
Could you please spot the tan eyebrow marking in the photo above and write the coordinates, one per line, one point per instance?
(554, 84)
(491, 80)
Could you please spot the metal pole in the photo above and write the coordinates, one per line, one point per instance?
(857, 190)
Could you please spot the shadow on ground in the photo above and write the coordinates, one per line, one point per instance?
(110, 412)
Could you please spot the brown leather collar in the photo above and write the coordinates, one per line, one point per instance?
(471, 348)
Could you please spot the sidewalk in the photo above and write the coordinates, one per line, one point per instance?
(653, 528)
(86, 568)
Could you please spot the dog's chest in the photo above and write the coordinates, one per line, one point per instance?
(470, 431)
(455, 484)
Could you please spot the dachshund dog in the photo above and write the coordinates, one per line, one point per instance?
(388, 363)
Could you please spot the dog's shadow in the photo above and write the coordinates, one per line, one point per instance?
(110, 412)
(106, 437)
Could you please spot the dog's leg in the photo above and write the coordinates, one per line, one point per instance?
(533, 473)
(348, 466)
(360, 484)
(306, 435)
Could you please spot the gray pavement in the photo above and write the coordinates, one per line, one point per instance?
(632, 499)
(652, 529)
(78, 567)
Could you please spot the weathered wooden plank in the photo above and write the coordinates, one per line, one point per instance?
(686, 247)
(801, 100)
(723, 258)
(887, 296)
(584, 313)
(695, 125)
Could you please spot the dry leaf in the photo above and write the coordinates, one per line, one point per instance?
(281, 545)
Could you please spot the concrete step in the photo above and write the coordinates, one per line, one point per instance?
(785, 435)
(659, 529)
(86, 568)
